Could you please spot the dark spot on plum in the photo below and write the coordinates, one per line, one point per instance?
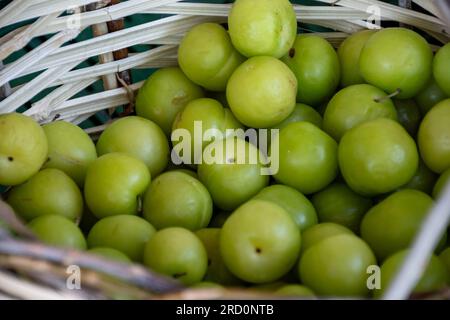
(292, 52)
(258, 250)
(179, 275)
(10, 159)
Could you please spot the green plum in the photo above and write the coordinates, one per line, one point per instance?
(295, 203)
(316, 67)
(110, 254)
(354, 105)
(433, 137)
(339, 204)
(58, 231)
(138, 137)
(165, 93)
(23, 148)
(70, 149)
(177, 253)
(445, 258)
(49, 192)
(190, 206)
(392, 224)
(429, 96)
(125, 233)
(234, 178)
(423, 180)
(348, 53)
(295, 290)
(302, 112)
(207, 56)
(262, 92)
(443, 180)
(441, 67)
(409, 115)
(433, 278)
(320, 232)
(308, 157)
(337, 266)
(217, 271)
(114, 182)
(397, 60)
(260, 242)
(377, 157)
(262, 27)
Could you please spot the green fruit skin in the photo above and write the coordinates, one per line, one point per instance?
(302, 112)
(231, 184)
(445, 258)
(429, 96)
(441, 67)
(433, 137)
(58, 231)
(433, 278)
(207, 56)
(260, 242)
(443, 180)
(423, 180)
(308, 157)
(189, 207)
(113, 183)
(409, 115)
(137, 137)
(177, 253)
(392, 224)
(337, 266)
(339, 204)
(165, 93)
(23, 148)
(377, 157)
(354, 105)
(296, 204)
(262, 92)
(397, 58)
(217, 270)
(348, 53)
(262, 27)
(49, 192)
(70, 149)
(294, 290)
(316, 67)
(110, 254)
(125, 233)
(320, 232)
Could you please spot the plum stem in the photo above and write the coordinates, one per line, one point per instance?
(389, 96)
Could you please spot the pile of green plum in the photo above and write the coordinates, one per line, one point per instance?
(364, 153)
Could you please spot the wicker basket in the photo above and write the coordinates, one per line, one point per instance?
(52, 81)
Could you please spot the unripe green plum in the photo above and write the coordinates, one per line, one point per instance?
(58, 231)
(262, 27)
(441, 67)
(70, 149)
(233, 179)
(433, 278)
(339, 204)
(177, 253)
(408, 115)
(165, 93)
(49, 192)
(337, 266)
(433, 137)
(110, 254)
(190, 206)
(445, 258)
(217, 270)
(316, 67)
(23, 148)
(125, 233)
(308, 157)
(354, 105)
(320, 232)
(397, 59)
(262, 92)
(296, 204)
(348, 53)
(260, 242)
(302, 112)
(207, 56)
(377, 157)
(392, 224)
(423, 180)
(294, 290)
(443, 180)
(429, 96)
(137, 137)
(114, 182)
